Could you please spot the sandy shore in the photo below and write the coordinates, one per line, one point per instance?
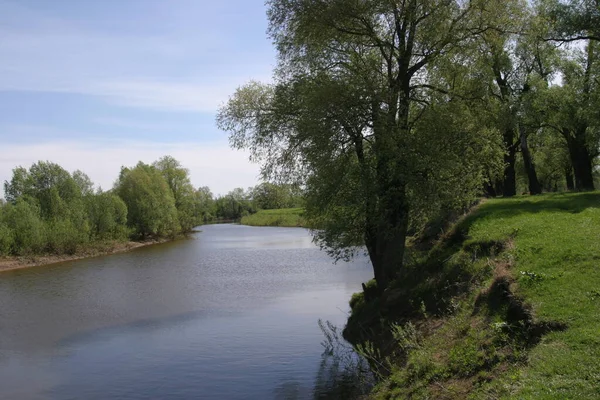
(11, 263)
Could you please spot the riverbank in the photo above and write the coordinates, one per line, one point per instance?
(97, 250)
(506, 305)
(282, 217)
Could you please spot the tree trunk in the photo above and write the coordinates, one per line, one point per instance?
(509, 184)
(569, 178)
(580, 159)
(489, 189)
(534, 183)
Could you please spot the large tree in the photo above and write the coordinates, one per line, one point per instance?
(573, 111)
(515, 59)
(150, 203)
(178, 179)
(572, 20)
(364, 114)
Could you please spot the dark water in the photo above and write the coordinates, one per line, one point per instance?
(229, 314)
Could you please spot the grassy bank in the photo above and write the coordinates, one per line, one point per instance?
(506, 305)
(287, 217)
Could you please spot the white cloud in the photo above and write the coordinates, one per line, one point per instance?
(211, 164)
(167, 69)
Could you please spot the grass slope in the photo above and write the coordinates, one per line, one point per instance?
(507, 305)
(289, 217)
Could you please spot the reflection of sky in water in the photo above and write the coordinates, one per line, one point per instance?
(231, 313)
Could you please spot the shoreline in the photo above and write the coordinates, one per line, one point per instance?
(12, 263)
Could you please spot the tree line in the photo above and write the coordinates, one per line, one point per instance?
(49, 210)
(394, 112)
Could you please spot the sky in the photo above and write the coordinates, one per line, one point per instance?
(96, 85)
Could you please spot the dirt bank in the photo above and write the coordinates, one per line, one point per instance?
(12, 263)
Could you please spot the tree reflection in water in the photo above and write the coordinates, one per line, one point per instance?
(342, 373)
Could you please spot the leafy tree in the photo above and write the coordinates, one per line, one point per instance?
(83, 182)
(6, 234)
(17, 185)
(234, 205)
(178, 180)
(28, 230)
(359, 114)
(572, 111)
(204, 205)
(573, 20)
(513, 57)
(270, 196)
(108, 216)
(150, 202)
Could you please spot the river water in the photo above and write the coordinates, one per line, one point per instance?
(230, 313)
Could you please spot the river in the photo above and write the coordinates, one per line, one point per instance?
(230, 313)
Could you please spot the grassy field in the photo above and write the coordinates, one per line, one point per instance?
(506, 305)
(289, 217)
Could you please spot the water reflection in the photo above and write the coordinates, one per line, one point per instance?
(229, 314)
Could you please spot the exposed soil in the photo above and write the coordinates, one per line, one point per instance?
(18, 262)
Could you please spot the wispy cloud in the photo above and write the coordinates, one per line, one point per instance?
(167, 69)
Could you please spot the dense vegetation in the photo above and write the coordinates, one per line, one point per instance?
(396, 116)
(240, 203)
(51, 211)
(506, 305)
(287, 217)
(391, 114)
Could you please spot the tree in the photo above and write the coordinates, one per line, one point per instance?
(518, 63)
(178, 180)
(108, 216)
(204, 205)
(57, 195)
(356, 114)
(269, 196)
(150, 202)
(573, 20)
(573, 112)
(234, 205)
(83, 182)
(28, 231)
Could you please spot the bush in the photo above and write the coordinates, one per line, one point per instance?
(6, 240)
(28, 229)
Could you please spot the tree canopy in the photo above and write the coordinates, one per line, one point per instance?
(388, 113)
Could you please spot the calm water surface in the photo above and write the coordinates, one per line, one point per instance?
(228, 314)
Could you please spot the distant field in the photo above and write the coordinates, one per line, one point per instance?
(288, 217)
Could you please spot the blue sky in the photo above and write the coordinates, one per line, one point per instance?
(94, 85)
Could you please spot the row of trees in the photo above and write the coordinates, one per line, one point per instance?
(391, 111)
(49, 210)
(240, 202)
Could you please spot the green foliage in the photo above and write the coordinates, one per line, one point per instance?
(150, 202)
(50, 210)
(178, 180)
(28, 230)
(234, 205)
(573, 19)
(525, 327)
(279, 217)
(204, 209)
(272, 196)
(107, 217)
(6, 238)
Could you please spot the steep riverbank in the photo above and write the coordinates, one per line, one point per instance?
(103, 249)
(506, 305)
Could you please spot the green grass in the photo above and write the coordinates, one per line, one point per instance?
(287, 217)
(507, 306)
(557, 242)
